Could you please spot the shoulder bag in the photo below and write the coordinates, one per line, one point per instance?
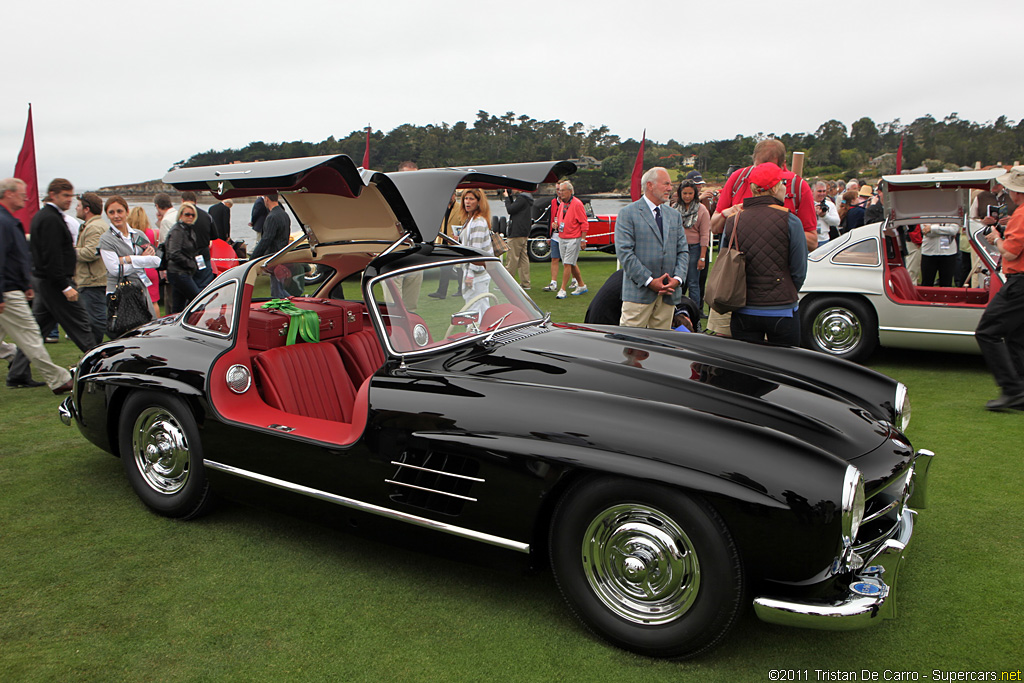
(726, 289)
(127, 306)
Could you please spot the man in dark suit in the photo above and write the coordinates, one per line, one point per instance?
(651, 245)
(221, 215)
(53, 268)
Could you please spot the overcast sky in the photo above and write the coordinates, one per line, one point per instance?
(121, 90)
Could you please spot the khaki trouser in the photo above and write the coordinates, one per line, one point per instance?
(656, 315)
(18, 322)
(519, 258)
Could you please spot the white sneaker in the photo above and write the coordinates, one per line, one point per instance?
(551, 287)
(561, 294)
(575, 284)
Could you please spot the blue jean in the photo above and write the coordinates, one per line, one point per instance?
(94, 300)
(784, 331)
(693, 275)
(185, 290)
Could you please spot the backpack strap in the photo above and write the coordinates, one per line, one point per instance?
(738, 185)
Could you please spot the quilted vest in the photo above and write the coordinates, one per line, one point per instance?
(764, 237)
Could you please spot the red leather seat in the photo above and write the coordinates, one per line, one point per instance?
(902, 284)
(362, 354)
(307, 379)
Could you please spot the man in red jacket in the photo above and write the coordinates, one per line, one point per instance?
(570, 220)
(799, 198)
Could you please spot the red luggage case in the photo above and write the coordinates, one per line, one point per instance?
(268, 328)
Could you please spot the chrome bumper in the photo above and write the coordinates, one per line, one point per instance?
(869, 598)
(65, 410)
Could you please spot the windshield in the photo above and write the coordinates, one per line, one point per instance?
(480, 299)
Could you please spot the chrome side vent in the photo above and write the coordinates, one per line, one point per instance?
(434, 481)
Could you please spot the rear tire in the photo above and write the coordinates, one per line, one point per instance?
(646, 567)
(162, 455)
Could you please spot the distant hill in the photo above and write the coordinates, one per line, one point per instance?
(144, 188)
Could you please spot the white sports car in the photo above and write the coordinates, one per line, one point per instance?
(858, 293)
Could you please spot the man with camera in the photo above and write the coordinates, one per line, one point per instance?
(828, 214)
(1000, 332)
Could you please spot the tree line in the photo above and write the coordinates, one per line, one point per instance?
(833, 150)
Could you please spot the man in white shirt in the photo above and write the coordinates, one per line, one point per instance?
(828, 215)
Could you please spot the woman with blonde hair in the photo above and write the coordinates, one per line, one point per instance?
(476, 234)
(138, 220)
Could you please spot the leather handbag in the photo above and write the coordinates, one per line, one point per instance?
(498, 244)
(127, 306)
(726, 288)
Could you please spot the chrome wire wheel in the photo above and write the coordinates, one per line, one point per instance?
(640, 564)
(837, 330)
(160, 450)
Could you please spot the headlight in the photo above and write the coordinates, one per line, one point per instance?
(853, 503)
(902, 405)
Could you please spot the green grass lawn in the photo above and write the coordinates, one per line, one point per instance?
(96, 588)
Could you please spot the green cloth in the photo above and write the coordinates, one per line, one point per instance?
(301, 323)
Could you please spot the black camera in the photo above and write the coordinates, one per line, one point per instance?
(822, 206)
(1001, 229)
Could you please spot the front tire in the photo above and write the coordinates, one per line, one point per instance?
(841, 327)
(162, 455)
(646, 567)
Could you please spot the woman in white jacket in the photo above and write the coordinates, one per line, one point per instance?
(476, 233)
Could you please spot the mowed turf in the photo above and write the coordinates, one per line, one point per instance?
(93, 587)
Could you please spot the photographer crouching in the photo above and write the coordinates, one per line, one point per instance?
(1000, 332)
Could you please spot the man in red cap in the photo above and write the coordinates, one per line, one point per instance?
(772, 238)
(798, 197)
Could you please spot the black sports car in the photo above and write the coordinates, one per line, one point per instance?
(668, 478)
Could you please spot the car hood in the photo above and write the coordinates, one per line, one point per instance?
(778, 389)
(933, 197)
(336, 201)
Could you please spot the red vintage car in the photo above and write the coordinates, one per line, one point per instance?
(600, 233)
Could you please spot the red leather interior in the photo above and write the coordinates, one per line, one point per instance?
(308, 380)
(903, 286)
(362, 354)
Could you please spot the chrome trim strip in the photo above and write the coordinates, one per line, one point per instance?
(918, 330)
(894, 504)
(424, 488)
(919, 482)
(371, 508)
(447, 474)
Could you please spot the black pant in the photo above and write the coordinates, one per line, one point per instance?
(758, 328)
(1000, 335)
(51, 307)
(944, 266)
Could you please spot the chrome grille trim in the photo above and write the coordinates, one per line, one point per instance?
(879, 513)
(517, 335)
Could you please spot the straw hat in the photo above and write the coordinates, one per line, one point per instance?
(866, 191)
(1014, 180)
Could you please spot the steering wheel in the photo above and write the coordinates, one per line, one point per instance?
(468, 306)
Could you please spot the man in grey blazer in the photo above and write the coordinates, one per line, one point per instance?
(651, 246)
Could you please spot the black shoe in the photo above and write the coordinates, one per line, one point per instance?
(20, 383)
(1005, 402)
(66, 387)
(437, 295)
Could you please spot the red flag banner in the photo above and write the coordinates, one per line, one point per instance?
(638, 171)
(899, 157)
(25, 169)
(366, 153)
